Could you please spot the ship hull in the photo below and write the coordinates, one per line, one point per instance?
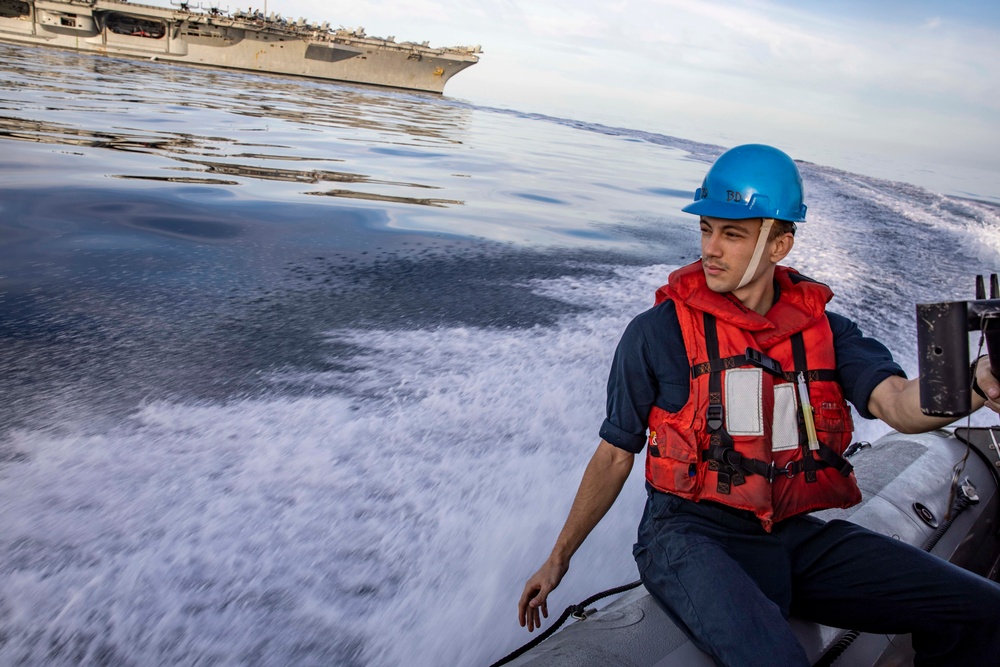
(123, 29)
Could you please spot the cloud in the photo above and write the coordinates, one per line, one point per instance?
(822, 70)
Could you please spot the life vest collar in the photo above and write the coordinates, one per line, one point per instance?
(800, 305)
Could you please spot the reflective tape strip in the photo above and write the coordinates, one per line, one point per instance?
(785, 423)
(744, 402)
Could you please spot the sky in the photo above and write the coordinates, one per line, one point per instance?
(893, 88)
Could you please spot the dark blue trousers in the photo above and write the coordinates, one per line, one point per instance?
(731, 586)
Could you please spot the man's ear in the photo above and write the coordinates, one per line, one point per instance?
(781, 246)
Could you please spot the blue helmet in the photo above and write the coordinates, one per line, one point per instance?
(751, 181)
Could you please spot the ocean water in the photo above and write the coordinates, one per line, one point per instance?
(295, 373)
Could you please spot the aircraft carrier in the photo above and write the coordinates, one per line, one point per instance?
(245, 40)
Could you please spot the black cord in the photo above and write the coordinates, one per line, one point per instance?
(577, 610)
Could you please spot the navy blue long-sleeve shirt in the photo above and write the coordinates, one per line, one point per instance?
(650, 368)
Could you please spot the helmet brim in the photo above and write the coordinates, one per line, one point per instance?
(711, 208)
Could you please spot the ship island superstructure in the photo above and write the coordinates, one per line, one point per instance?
(245, 40)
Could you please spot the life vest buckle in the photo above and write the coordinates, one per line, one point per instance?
(714, 415)
(772, 472)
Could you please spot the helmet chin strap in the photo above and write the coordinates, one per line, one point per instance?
(758, 251)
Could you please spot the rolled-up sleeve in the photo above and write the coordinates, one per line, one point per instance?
(631, 392)
(650, 367)
(863, 363)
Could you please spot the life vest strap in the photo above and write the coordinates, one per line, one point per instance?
(809, 463)
(834, 460)
(738, 360)
(819, 375)
(721, 458)
(718, 365)
(727, 475)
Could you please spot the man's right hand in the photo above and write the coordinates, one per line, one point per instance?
(988, 383)
(533, 599)
(602, 482)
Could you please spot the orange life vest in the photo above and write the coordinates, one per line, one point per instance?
(740, 439)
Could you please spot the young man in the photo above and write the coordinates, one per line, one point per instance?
(734, 465)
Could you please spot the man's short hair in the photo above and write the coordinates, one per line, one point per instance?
(780, 228)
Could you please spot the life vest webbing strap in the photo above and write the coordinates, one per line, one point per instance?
(720, 457)
(716, 365)
(809, 463)
(738, 360)
(729, 457)
(834, 460)
(716, 412)
(799, 353)
(727, 475)
(820, 375)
